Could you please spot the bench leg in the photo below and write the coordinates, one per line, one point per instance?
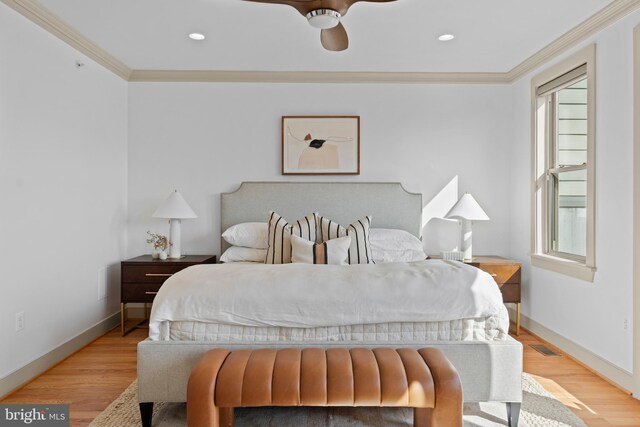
(227, 417)
(201, 410)
(428, 417)
(513, 413)
(422, 417)
(448, 391)
(146, 412)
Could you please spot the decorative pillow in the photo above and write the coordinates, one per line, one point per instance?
(360, 250)
(334, 252)
(393, 245)
(279, 238)
(248, 235)
(240, 254)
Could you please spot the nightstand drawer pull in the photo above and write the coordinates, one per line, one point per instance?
(151, 293)
(159, 274)
(494, 275)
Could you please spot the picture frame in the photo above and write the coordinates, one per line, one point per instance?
(321, 145)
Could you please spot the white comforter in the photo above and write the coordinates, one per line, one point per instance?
(307, 296)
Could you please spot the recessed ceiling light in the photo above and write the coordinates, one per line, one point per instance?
(446, 37)
(196, 36)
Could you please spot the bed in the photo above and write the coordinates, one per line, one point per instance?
(488, 360)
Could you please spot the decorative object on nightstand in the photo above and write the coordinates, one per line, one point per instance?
(141, 278)
(467, 210)
(506, 273)
(175, 208)
(160, 244)
(452, 255)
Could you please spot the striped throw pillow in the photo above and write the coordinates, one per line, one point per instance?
(360, 249)
(279, 236)
(333, 252)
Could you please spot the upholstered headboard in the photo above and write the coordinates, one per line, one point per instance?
(390, 205)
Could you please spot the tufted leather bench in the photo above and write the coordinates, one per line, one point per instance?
(421, 379)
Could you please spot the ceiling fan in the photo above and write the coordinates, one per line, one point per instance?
(326, 15)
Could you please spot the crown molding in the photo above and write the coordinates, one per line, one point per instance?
(37, 13)
(611, 13)
(41, 16)
(333, 77)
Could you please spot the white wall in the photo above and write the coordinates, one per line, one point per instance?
(205, 138)
(589, 314)
(63, 138)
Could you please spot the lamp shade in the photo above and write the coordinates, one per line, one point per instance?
(175, 207)
(467, 208)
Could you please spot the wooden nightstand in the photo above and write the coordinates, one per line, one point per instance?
(141, 278)
(506, 273)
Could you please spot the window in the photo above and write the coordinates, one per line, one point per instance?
(564, 166)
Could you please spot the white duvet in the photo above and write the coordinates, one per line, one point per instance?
(310, 296)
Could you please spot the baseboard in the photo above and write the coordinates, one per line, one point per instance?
(611, 373)
(23, 375)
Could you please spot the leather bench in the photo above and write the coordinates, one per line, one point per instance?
(421, 379)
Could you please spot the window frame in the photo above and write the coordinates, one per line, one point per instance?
(542, 253)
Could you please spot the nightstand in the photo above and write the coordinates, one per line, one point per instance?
(506, 273)
(141, 278)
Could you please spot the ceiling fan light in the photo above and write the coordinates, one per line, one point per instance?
(323, 18)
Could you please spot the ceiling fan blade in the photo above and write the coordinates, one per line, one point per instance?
(302, 6)
(335, 38)
(372, 1)
(280, 1)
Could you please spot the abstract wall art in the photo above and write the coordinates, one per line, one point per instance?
(321, 145)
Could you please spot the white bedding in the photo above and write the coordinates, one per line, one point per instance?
(260, 297)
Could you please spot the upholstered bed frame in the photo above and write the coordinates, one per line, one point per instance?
(490, 370)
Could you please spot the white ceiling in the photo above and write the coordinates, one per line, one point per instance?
(491, 35)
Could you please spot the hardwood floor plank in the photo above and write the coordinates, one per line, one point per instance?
(96, 375)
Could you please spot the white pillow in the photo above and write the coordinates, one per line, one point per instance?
(391, 238)
(382, 256)
(392, 245)
(248, 235)
(333, 252)
(240, 254)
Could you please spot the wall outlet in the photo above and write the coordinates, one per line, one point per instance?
(625, 324)
(103, 289)
(19, 321)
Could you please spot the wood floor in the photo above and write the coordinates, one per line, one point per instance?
(97, 374)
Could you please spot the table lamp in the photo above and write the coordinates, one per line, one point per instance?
(175, 208)
(467, 210)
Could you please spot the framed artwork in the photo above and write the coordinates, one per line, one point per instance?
(321, 145)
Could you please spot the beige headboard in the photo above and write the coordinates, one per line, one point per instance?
(390, 205)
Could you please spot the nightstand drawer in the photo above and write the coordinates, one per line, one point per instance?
(140, 292)
(510, 292)
(507, 273)
(145, 274)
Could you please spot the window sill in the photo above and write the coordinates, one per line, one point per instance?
(564, 266)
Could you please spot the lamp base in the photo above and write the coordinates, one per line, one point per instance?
(465, 245)
(174, 239)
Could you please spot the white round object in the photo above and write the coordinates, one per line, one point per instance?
(323, 18)
(197, 36)
(163, 255)
(446, 37)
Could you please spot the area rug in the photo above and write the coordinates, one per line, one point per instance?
(539, 409)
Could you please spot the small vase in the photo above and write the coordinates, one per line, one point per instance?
(163, 255)
(155, 254)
